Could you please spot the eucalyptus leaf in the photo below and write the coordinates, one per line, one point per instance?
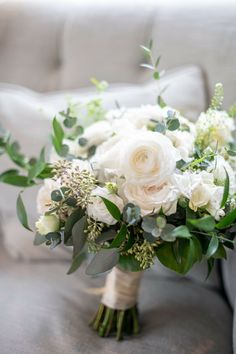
(167, 233)
(38, 166)
(173, 124)
(21, 213)
(72, 219)
(39, 239)
(103, 261)
(160, 128)
(78, 235)
(76, 262)
(56, 195)
(131, 214)
(107, 235)
(181, 231)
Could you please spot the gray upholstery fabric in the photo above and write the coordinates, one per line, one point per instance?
(228, 269)
(48, 46)
(45, 311)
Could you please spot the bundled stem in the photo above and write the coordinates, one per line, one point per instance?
(120, 322)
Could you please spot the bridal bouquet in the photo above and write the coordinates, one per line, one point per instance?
(135, 185)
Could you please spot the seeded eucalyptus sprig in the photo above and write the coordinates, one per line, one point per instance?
(154, 63)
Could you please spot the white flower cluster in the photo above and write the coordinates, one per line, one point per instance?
(140, 161)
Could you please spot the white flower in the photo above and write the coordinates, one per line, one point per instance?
(148, 158)
(44, 194)
(183, 141)
(214, 127)
(201, 191)
(97, 133)
(97, 209)
(47, 223)
(151, 198)
(138, 117)
(218, 168)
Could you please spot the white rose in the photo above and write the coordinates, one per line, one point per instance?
(148, 158)
(151, 198)
(97, 209)
(44, 194)
(47, 223)
(183, 141)
(200, 196)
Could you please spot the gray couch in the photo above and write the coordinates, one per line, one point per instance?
(48, 46)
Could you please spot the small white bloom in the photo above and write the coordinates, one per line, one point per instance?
(97, 209)
(214, 128)
(47, 223)
(218, 168)
(183, 141)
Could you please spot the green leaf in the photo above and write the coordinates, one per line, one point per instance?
(146, 49)
(182, 232)
(38, 167)
(156, 75)
(173, 124)
(160, 128)
(103, 261)
(181, 258)
(72, 219)
(70, 122)
(76, 262)
(220, 253)
(226, 190)
(161, 102)
(227, 220)
(112, 208)
(78, 235)
(231, 152)
(16, 180)
(13, 151)
(210, 265)
(58, 131)
(197, 248)
(120, 237)
(147, 66)
(39, 239)
(206, 223)
(129, 263)
(21, 213)
(213, 246)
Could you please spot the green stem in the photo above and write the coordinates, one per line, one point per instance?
(98, 317)
(134, 313)
(120, 320)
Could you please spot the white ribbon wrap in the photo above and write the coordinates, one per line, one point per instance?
(121, 289)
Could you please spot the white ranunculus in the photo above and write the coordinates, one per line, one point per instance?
(183, 141)
(44, 194)
(148, 158)
(200, 196)
(47, 223)
(151, 198)
(97, 209)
